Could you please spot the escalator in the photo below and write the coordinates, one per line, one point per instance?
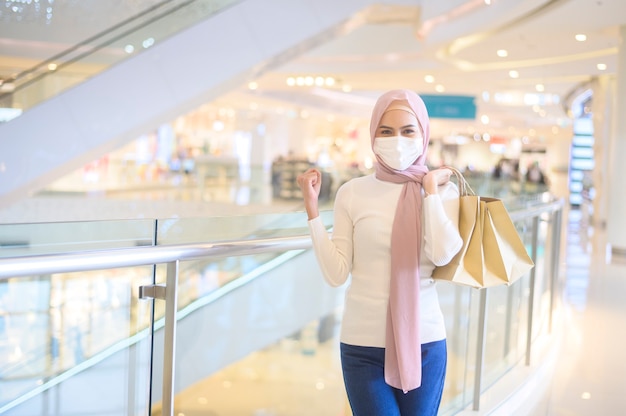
(218, 47)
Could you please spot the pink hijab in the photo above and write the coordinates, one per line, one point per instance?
(403, 353)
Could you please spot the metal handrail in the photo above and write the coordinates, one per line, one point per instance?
(140, 256)
(146, 255)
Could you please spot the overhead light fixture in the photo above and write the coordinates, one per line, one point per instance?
(311, 80)
(601, 67)
(28, 10)
(147, 43)
(502, 53)
(540, 88)
(52, 67)
(253, 85)
(581, 37)
(514, 74)
(429, 79)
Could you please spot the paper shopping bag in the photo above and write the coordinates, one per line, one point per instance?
(492, 253)
(506, 258)
(466, 268)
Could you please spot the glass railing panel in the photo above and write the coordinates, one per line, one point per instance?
(299, 374)
(65, 333)
(543, 277)
(508, 311)
(202, 278)
(232, 228)
(46, 238)
(52, 326)
(460, 310)
(257, 320)
(505, 323)
(94, 55)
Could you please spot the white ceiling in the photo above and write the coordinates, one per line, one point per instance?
(455, 41)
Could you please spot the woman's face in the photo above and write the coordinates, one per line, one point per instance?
(399, 123)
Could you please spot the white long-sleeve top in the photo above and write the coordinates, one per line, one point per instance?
(360, 247)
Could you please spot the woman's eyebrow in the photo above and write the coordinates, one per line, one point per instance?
(402, 127)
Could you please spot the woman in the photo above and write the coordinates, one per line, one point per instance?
(390, 230)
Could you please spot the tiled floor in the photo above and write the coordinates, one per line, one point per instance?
(590, 374)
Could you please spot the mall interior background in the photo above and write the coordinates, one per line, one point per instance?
(542, 98)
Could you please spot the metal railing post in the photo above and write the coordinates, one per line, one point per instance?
(531, 292)
(555, 259)
(480, 348)
(169, 350)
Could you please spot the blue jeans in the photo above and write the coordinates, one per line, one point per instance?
(369, 395)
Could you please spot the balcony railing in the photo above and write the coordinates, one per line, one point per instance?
(75, 312)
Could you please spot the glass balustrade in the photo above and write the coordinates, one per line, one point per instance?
(261, 326)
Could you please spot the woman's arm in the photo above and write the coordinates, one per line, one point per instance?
(441, 224)
(334, 254)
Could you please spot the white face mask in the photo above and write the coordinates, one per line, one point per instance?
(398, 152)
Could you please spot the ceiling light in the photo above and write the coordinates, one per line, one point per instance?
(514, 74)
(291, 81)
(346, 88)
(484, 119)
(488, 2)
(218, 125)
(540, 87)
(129, 49)
(581, 37)
(439, 88)
(309, 81)
(147, 43)
(601, 67)
(319, 81)
(329, 81)
(502, 53)
(429, 79)
(253, 85)
(52, 67)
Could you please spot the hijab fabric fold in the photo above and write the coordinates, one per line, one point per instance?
(403, 355)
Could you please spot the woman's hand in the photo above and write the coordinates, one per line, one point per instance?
(434, 178)
(310, 182)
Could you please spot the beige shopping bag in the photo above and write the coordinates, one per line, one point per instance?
(492, 253)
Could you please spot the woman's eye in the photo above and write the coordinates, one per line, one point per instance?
(386, 132)
(408, 132)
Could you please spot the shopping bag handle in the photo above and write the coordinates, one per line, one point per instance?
(464, 188)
